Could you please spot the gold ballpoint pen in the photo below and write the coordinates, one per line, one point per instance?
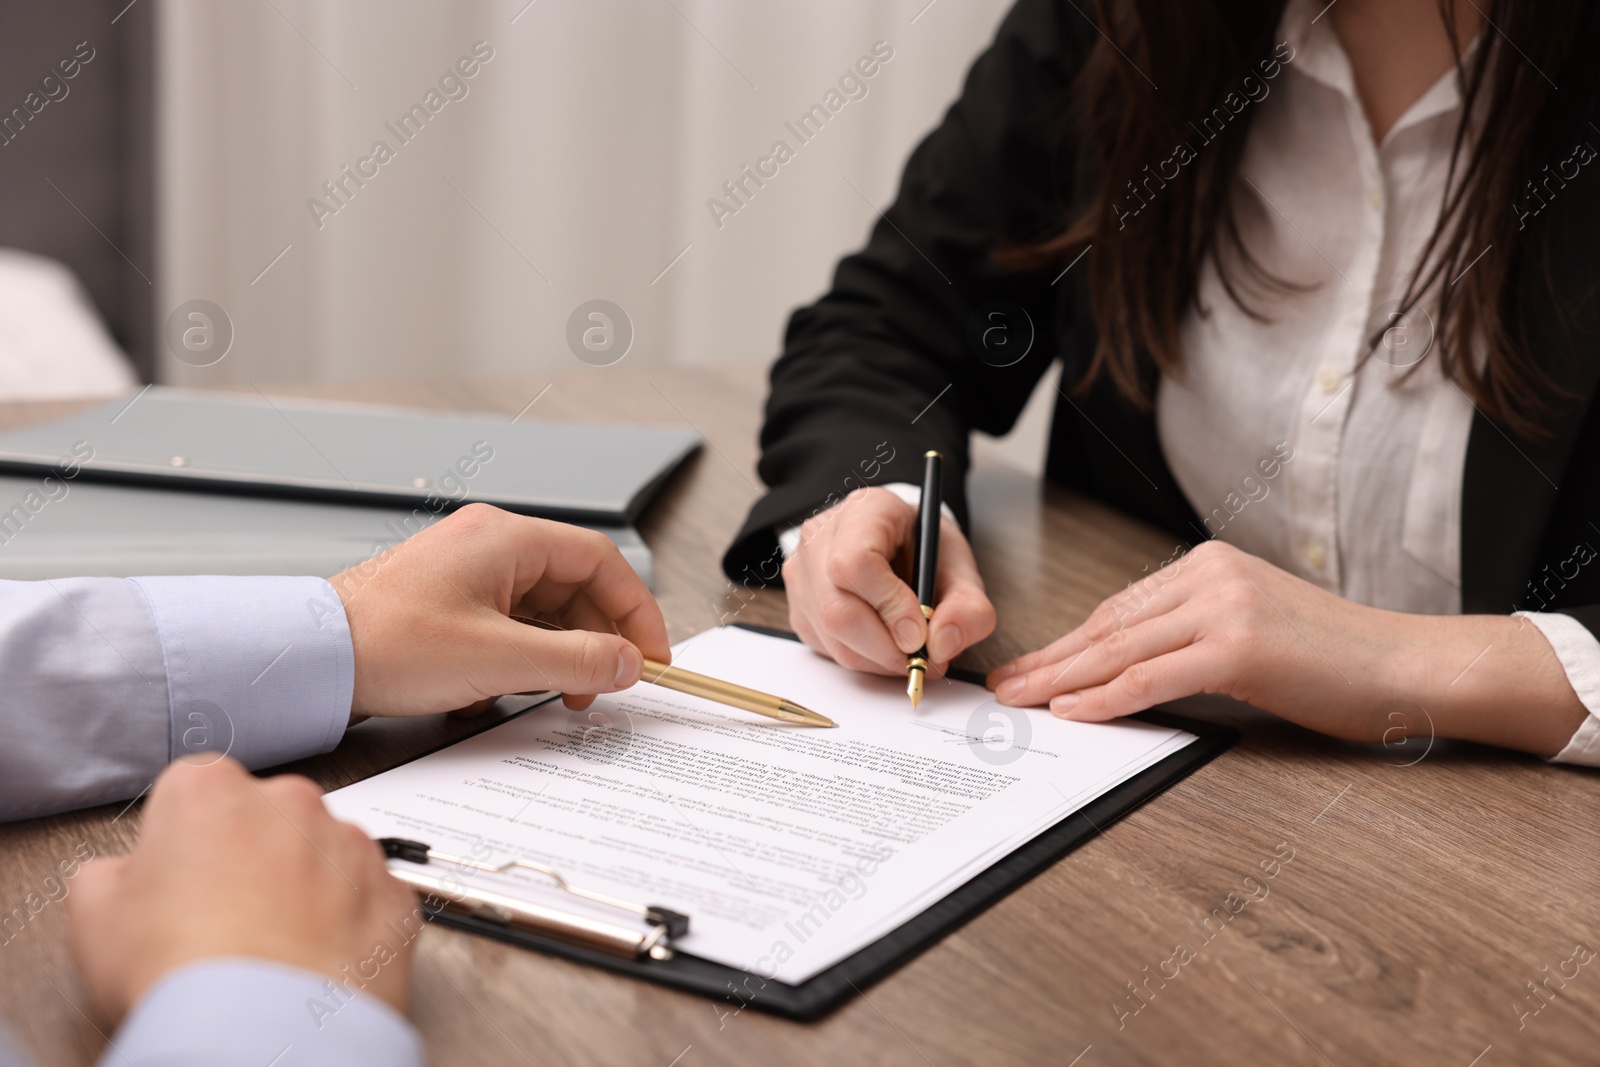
(701, 685)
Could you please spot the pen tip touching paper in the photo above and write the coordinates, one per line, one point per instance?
(914, 687)
(792, 712)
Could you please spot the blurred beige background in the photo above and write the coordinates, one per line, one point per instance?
(577, 166)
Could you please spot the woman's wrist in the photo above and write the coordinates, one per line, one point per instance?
(1493, 679)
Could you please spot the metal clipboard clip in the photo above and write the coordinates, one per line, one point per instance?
(445, 893)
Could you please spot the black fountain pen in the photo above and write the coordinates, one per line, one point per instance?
(927, 568)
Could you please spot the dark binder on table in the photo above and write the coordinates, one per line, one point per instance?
(308, 450)
(649, 956)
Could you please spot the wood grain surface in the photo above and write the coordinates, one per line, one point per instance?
(1414, 893)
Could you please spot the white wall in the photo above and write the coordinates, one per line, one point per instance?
(589, 144)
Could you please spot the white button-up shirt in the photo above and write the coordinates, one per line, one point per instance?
(1289, 446)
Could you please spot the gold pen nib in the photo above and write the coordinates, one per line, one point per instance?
(916, 668)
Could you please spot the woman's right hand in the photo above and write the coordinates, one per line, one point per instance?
(848, 596)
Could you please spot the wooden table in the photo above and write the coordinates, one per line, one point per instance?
(1423, 893)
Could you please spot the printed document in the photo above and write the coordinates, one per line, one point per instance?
(789, 847)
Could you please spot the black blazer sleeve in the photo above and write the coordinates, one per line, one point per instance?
(880, 369)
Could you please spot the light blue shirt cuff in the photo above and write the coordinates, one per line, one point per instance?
(261, 669)
(238, 1012)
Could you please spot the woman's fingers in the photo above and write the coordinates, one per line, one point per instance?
(1100, 661)
(870, 532)
(848, 600)
(1183, 630)
(845, 598)
(1142, 601)
(1191, 669)
(854, 627)
(859, 602)
(868, 609)
(963, 616)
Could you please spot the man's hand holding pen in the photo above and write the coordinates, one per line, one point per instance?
(430, 619)
(849, 588)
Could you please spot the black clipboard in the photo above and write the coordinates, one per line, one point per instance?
(828, 989)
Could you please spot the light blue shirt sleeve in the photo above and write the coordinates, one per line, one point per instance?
(107, 680)
(11, 1055)
(235, 1012)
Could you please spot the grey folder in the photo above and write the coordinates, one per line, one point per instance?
(88, 529)
(168, 482)
(578, 472)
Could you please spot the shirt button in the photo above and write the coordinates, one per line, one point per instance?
(1329, 380)
(1316, 555)
(1375, 198)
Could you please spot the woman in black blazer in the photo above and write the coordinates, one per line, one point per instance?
(1359, 239)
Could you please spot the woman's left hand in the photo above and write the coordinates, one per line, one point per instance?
(1218, 620)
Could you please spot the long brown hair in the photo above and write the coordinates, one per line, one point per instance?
(1144, 277)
